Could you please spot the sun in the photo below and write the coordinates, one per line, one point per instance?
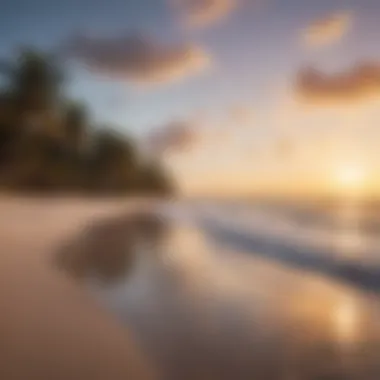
(350, 177)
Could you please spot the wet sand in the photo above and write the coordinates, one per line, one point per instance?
(184, 306)
(203, 309)
(49, 327)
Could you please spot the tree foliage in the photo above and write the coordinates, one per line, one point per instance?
(47, 143)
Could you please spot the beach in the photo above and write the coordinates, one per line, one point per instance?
(49, 327)
(227, 292)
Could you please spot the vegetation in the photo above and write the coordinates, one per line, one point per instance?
(47, 143)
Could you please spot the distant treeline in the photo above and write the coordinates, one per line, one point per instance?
(48, 143)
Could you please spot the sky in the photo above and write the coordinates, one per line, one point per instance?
(237, 96)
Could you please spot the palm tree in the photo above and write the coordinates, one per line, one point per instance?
(114, 161)
(36, 80)
(33, 86)
(154, 179)
(43, 136)
(75, 125)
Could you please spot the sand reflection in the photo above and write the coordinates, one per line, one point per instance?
(346, 318)
(207, 312)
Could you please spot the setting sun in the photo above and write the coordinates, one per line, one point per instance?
(350, 177)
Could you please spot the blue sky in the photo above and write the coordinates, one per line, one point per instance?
(253, 49)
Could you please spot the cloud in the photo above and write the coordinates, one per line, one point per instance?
(241, 115)
(284, 148)
(327, 30)
(200, 13)
(138, 59)
(200, 132)
(362, 82)
(177, 137)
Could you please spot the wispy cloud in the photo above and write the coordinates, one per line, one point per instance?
(362, 82)
(241, 115)
(201, 13)
(138, 59)
(176, 136)
(327, 30)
